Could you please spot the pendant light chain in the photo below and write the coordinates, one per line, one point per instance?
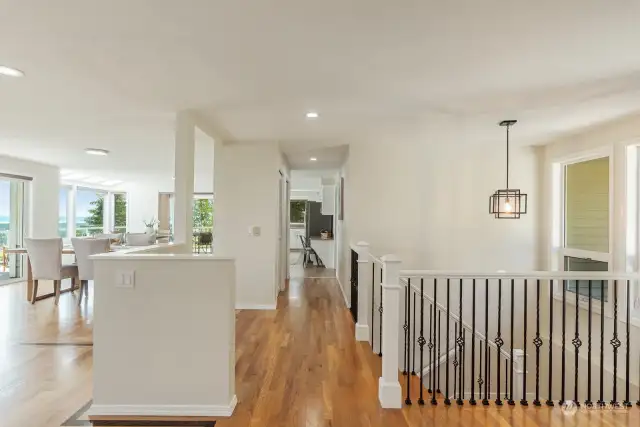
(508, 126)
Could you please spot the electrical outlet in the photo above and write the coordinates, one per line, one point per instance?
(125, 279)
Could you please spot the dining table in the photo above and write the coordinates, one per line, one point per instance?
(66, 250)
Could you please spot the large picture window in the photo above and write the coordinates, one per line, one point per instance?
(89, 212)
(586, 223)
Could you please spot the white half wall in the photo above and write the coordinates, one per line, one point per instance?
(165, 345)
(246, 195)
(42, 204)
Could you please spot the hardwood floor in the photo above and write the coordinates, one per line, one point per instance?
(296, 366)
(45, 358)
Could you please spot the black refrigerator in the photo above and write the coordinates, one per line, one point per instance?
(315, 221)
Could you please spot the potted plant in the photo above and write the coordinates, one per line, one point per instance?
(325, 234)
(151, 225)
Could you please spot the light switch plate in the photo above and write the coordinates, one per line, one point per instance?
(125, 279)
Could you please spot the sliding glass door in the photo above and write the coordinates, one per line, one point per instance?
(12, 226)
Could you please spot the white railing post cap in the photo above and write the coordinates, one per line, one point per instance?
(390, 258)
(364, 244)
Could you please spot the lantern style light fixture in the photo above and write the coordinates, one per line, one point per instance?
(508, 203)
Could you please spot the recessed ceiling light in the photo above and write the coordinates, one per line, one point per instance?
(96, 151)
(312, 115)
(10, 72)
(313, 159)
(94, 180)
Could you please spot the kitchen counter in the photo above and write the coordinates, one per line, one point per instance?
(325, 249)
(320, 238)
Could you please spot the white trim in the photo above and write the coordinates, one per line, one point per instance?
(544, 275)
(245, 306)
(362, 332)
(165, 410)
(344, 295)
(389, 394)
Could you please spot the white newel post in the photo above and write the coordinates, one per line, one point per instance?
(519, 371)
(364, 278)
(389, 391)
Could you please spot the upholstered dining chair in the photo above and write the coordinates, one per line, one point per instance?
(84, 248)
(45, 256)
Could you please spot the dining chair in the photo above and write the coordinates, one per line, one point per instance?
(45, 256)
(84, 248)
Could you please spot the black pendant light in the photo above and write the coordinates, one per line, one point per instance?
(508, 203)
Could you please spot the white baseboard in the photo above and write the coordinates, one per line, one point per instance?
(165, 410)
(346, 301)
(242, 306)
(362, 332)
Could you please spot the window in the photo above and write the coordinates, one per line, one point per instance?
(63, 200)
(203, 214)
(586, 223)
(297, 212)
(120, 212)
(89, 212)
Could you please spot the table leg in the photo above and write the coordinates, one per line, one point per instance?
(29, 280)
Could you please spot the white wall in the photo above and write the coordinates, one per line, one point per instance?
(142, 201)
(246, 194)
(428, 203)
(44, 192)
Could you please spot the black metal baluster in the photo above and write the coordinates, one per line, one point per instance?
(373, 303)
(455, 361)
(564, 341)
(499, 342)
(460, 342)
(485, 401)
(589, 323)
(627, 399)
(447, 401)
(408, 305)
(463, 356)
(413, 353)
(506, 379)
(472, 401)
(513, 287)
(577, 343)
(537, 342)
(432, 344)
(488, 376)
(380, 311)
(601, 400)
(523, 401)
(480, 380)
(615, 343)
(438, 334)
(421, 339)
(405, 327)
(549, 401)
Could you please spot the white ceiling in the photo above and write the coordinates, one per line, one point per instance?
(112, 74)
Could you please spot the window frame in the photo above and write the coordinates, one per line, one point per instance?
(302, 224)
(559, 227)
